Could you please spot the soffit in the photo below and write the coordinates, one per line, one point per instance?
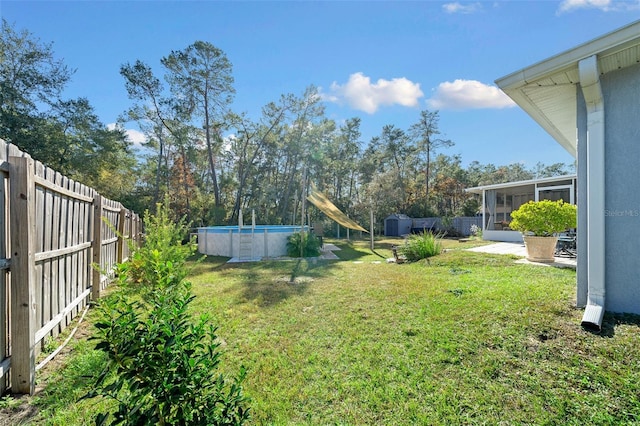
(547, 91)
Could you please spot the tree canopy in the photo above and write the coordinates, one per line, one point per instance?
(64, 134)
(212, 162)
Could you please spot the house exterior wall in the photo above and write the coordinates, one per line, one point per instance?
(621, 91)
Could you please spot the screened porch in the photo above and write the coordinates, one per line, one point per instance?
(499, 200)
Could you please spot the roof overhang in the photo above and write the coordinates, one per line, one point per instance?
(547, 90)
(550, 180)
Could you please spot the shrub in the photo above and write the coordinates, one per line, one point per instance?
(421, 246)
(303, 242)
(162, 366)
(544, 218)
(476, 231)
(159, 262)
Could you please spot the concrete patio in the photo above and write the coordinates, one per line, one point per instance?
(518, 249)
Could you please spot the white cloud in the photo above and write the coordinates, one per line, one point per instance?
(468, 94)
(361, 94)
(136, 137)
(603, 5)
(457, 7)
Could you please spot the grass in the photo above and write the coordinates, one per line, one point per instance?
(465, 338)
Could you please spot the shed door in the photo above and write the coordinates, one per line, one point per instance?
(392, 228)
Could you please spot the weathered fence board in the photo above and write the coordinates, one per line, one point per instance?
(4, 278)
(52, 232)
(23, 284)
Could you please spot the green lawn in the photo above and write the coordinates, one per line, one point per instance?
(467, 338)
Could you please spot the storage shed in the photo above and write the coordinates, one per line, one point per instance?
(397, 225)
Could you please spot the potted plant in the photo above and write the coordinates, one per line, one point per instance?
(540, 222)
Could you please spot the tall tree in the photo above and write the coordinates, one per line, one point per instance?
(449, 184)
(63, 134)
(344, 153)
(250, 142)
(297, 148)
(31, 81)
(201, 80)
(397, 157)
(155, 113)
(510, 173)
(425, 133)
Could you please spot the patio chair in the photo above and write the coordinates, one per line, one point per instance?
(566, 246)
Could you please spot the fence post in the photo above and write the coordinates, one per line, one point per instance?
(121, 237)
(23, 292)
(138, 231)
(96, 246)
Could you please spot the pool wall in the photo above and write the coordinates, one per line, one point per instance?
(250, 243)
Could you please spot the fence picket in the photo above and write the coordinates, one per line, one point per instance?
(4, 278)
(43, 313)
(23, 292)
(47, 272)
(96, 249)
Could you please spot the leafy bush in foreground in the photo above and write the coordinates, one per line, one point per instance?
(161, 365)
(421, 246)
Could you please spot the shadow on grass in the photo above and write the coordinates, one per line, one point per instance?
(612, 320)
(272, 289)
(201, 264)
(378, 254)
(351, 251)
(268, 283)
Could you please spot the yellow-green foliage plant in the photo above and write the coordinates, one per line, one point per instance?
(544, 218)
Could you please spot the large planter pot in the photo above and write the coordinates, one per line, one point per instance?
(540, 249)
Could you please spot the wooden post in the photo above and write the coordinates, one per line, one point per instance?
(122, 220)
(23, 292)
(138, 233)
(303, 199)
(96, 248)
(371, 229)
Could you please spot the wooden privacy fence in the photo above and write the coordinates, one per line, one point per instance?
(59, 243)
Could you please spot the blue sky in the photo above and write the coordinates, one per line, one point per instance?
(382, 61)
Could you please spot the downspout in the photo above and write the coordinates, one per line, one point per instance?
(595, 177)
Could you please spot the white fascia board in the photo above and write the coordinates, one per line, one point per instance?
(479, 189)
(612, 41)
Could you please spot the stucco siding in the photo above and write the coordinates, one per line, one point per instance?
(621, 90)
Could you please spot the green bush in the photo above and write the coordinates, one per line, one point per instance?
(303, 243)
(159, 262)
(162, 366)
(544, 218)
(421, 246)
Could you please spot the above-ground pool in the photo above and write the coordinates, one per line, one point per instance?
(246, 243)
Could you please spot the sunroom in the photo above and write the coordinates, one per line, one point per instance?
(499, 200)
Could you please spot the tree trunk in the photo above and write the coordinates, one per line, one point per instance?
(210, 155)
(156, 190)
(426, 174)
(185, 182)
